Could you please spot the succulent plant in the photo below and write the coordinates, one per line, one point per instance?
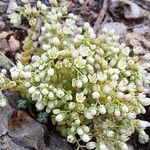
(90, 85)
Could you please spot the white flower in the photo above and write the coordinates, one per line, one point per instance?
(89, 115)
(78, 84)
(56, 111)
(114, 49)
(39, 4)
(107, 89)
(43, 7)
(93, 111)
(44, 91)
(122, 86)
(44, 58)
(13, 5)
(120, 95)
(92, 78)
(86, 129)
(80, 97)
(84, 79)
(51, 95)
(86, 25)
(110, 134)
(77, 121)
(80, 131)
(122, 64)
(60, 93)
(91, 145)
(131, 115)
(91, 60)
(4, 71)
(27, 84)
(27, 74)
(2, 102)
(85, 138)
(102, 147)
(53, 53)
(115, 77)
(32, 89)
(39, 105)
(95, 95)
(71, 138)
(41, 74)
(56, 41)
(71, 105)
(15, 19)
(37, 96)
(59, 117)
(101, 76)
(128, 97)
(125, 109)
(117, 113)
(50, 71)
(102, 109)
(143, 124)
(14, 74)
(145, 101)
(80, 62)
(46, 47)
(37, 78)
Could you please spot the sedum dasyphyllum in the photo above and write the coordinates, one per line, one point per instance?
(91, 86)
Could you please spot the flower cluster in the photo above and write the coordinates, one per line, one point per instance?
(90, 85)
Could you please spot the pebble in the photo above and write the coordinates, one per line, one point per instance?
(3, 7)
(14, 44)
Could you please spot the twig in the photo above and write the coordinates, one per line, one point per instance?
(101, 16)
(5, 62)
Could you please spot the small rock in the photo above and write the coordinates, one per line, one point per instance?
(9, 10)
(131, 10)
(2, 25)
(4, 34)
(3, 7)
(14, 44)
(120, 28)
(4, 47)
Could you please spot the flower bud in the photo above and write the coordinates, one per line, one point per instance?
(71, 138)
(102, 109)
(71, 105)
(78, 84)
(50, 95)
(102, 147)
(88, 115)
(91, 145)
(32, 89)
(86, 129)
(125, 109)
(110, 134)
(117, 113)
(85, 138)
(95, 95)
(44, 91)
(50, 71)
(59, 117)
(80, 131)
(131, 116)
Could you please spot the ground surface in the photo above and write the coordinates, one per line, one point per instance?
(130, 18)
